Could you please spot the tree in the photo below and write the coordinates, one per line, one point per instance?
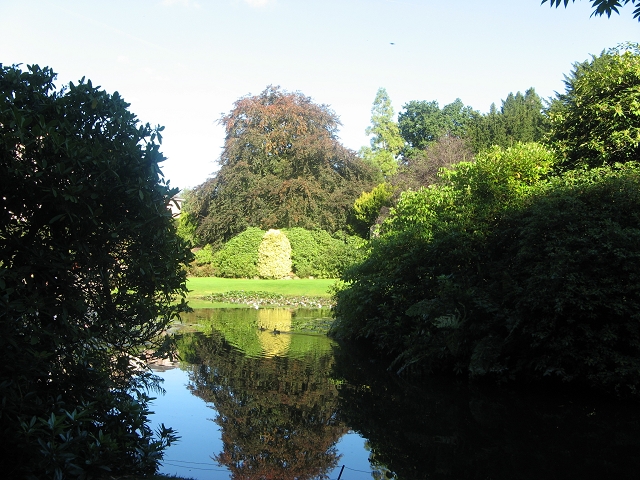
(520, 119)
(523, 117)
(282, 166)
(423, 167)
(597, 120)
(423, 123)
(90, 265)
(186, 221)
(367, 206)
(602, 7)
(387, 143)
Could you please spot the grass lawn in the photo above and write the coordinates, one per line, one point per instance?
(201, 286)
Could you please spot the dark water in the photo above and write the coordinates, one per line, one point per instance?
(253, 404)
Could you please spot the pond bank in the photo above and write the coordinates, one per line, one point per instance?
(212, 292)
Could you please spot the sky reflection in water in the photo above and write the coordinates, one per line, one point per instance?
(288, 405)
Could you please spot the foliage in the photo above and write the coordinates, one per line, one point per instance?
(90, 265)
(422, 123)
(504, 271)
(387, 143)
(520, 119)
(602, 7)
(204, 255)
(367, 206)
(238, 258)
(282, 166)
(274, 255)
(315, 253)
(202, 265)
(597, 120)
(566, 277)
(187, 222)
(422, 167)
(470, 194)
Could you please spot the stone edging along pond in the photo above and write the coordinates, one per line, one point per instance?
(269, 299)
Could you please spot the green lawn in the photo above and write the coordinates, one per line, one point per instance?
(201, 286)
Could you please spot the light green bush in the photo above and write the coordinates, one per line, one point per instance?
(314, 253)
(274, 255)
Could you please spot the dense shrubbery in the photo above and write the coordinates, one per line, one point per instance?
(89, 268)
(202, 265)
(431, 235)
(238, 258)
(314, 253)
(499, 272)
(521, 265)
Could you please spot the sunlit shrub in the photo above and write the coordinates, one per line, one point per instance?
(274, 255)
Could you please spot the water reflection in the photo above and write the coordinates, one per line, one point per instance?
(282, 408)
(277, 414)
(445, 430)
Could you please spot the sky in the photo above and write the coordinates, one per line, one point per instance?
(183, 63)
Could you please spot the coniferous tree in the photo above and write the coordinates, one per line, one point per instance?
(520, 119)
(387, 143)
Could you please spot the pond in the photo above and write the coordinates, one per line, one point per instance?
(259, 395)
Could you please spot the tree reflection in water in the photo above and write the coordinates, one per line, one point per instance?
(278, 415)
(442, 429)
(283, 406)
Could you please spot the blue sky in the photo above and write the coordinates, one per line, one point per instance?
(182, 63)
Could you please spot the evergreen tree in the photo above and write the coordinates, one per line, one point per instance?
(520, 119)
(387, 143)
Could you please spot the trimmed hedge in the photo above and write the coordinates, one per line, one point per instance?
(238, 258)
(274, 255)
(314, 253)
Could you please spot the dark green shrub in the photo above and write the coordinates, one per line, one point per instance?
(304, 251)
(565, 272)
(414, 286)
(546, 288)
(315, 253)
(90, 265)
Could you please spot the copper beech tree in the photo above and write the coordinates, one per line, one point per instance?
(282, 166)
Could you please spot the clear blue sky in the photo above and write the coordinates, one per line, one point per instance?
(182, 63)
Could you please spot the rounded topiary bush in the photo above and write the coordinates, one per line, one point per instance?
(315, 253)
(238, 258)
(304, 252)
(274, 255)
